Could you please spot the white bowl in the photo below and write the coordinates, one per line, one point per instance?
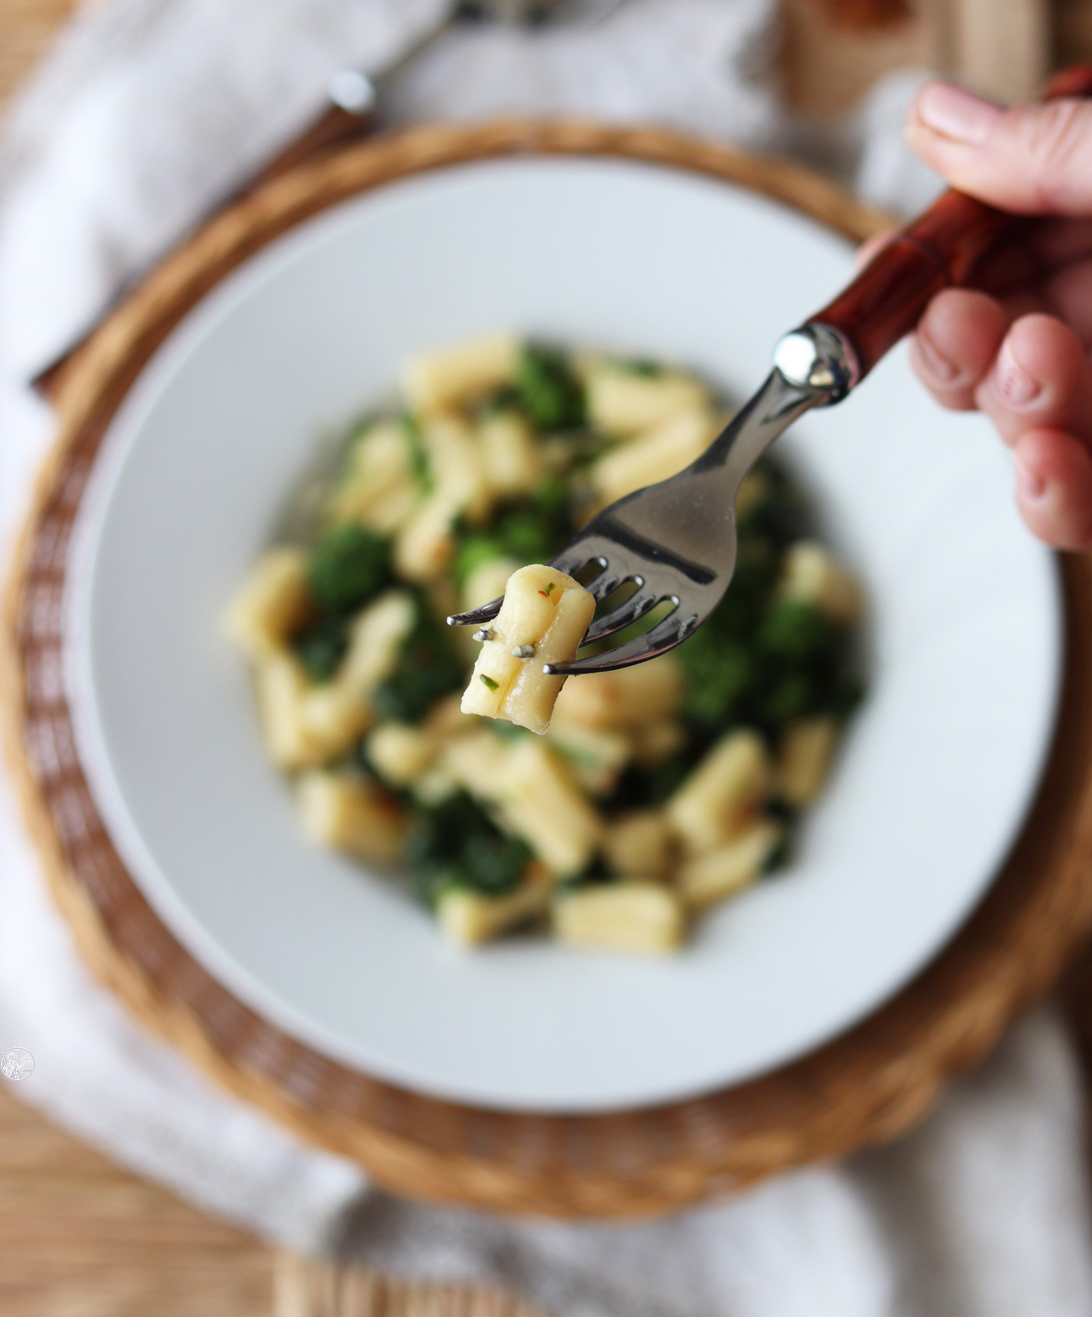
(937, 769)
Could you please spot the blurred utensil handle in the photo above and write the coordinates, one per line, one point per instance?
(350, 114)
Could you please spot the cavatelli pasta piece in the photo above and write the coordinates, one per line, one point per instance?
(640, 844)
(811, 574)
(731, 867)
(273, 603)
(622, 402)
(627, 916)
(336, 713)
(803, 761)
(717, 797)
(349, 814)
(653, 456)
(542, 620)
(452, 376)
(469, 918)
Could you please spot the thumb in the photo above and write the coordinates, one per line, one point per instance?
(1034, 159)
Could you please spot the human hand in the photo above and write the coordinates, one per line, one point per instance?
(1016, 345)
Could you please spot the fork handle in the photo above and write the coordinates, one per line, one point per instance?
(940, 249)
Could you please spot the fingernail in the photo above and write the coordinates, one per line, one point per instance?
(940, 367)
(1030, 485)
(956, 113)
(1014, 384)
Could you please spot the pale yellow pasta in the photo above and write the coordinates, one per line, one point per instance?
(336, 713)
(272, 605)
(379, 488)
(446, 719)
(454, 375)
(640, 844)
(470, 918)
(426, 542)
(457, 465)
(487, 582)
(348, 814)
(716, 798)
(622, 402)
(652, 743)
(543, 804)
(803, 761)
(594, 755)
(542, 620)
(401, 753)
(435, 785)
(510, 454)
(282, 685)
(626, 916)
(534, 794)
(720, 873)
(653, 456)
(811, 574)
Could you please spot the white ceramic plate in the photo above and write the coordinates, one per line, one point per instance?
(937, 770)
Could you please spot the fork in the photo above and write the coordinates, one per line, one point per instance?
(675, 541)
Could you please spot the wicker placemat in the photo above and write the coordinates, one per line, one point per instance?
(871, 1083)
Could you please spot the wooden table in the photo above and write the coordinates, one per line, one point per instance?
(80, 1237)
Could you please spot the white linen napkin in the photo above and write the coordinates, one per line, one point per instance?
(148, 111)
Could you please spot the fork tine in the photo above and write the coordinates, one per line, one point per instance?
(663, 636)
(484, 613)
(606, 583)
(619, 618)
(572, 559)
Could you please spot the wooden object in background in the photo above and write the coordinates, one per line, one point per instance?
(27, 29)
(79, 1237)
(1070, 31)
(314, 1287)
(1003, 48)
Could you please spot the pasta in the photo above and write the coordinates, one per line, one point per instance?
(348, 812)
(542, 620)
(626, 916)
(728, 869)
(607, 810)
(722, 790)
(274, 604)
(625, 402)
(469, 918)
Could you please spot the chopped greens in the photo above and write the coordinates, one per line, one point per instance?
(427, 670)
(456, 844)
(548, 390)
(531, 530)
(321, 647)
(347, 567)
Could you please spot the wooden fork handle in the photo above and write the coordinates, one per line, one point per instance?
(940, 249)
